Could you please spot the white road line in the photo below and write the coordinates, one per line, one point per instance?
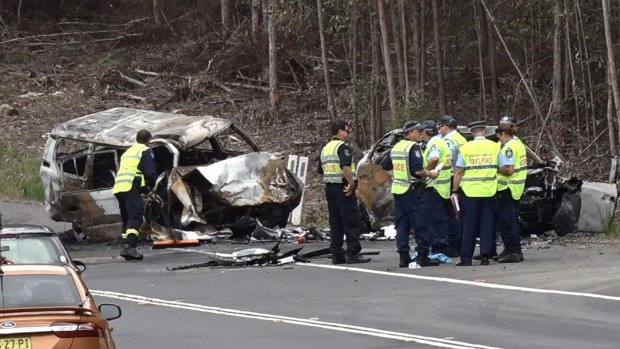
(451, 281)
(464, 282)
(373, 332)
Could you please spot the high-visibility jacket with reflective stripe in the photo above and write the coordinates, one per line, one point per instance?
(128, 169)
(442, 182)
(480, 176)
(403, 178)
(330, 162)
(457, 140)
(516, 181)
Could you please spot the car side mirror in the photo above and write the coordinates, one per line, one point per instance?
(110, 311)
(81, 267)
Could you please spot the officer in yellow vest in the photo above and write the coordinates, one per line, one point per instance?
(336, 163)
(476, 175)
(436, 155)
(406, 161)
(447, 125)
(135, 175)
(511, 178)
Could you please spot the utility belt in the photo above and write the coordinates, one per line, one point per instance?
(418, 188)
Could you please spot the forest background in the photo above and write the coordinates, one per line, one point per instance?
(283, 69)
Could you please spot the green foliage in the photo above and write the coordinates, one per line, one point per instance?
(107, 62)
(613, 230)
(419, 107)
(20, 173)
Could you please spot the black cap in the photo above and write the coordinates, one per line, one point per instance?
(507, 120)
(477, 124)
(409, 125)
(447, 120)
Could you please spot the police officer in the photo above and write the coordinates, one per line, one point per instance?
(476, 175)
(336, 163)
(405, 159)
(135, 175)
(448, 130)
(436, 154)
(511, 178)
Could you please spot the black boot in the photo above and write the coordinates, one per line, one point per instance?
(405, 259)
(423, 260)
(129, 251)
(338, 259)
(484, 260)
(356, 259)
(501, 255)
(512, 256)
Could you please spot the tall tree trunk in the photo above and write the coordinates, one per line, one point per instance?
(493, 69)
(403, 36)
(610, 120)
(328, 87)
(353, 41)
(438, 60)
(375, 97)
(387, 61)
(397, 47)
(225, 5)
(255, 19)
(483, 90)
(422, 43)
(611, 61)
(274, 84)
(558, 84)
(415, 33)
(156, 11)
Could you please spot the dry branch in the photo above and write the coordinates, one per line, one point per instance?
(131, 80)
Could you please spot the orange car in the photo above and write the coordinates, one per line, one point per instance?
(44, 306)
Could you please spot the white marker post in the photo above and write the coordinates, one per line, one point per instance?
(299, 166)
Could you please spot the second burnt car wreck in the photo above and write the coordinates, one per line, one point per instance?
(211, 174)
(550, 201)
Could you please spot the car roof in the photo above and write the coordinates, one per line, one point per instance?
(19, 229)
(34, 269)
(118, 127)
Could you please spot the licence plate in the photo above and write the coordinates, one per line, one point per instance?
(15, 343)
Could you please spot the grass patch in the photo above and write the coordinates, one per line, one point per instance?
(20, 174)
(613, 230)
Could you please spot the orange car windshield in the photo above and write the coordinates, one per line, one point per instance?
(24, 291)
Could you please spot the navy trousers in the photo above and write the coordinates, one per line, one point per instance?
(436, 216)
(453, 224)
(131, 206)
(508, 218)
(344, 220)
(411, 214)
(477, 221)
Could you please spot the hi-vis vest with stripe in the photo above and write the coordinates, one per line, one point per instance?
(480, 176)
(456, 138)
(516, 182)
(330, 161)
(442, 182)
(403, 178)
(128, 168)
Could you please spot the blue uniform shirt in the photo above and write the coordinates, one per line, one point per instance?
(506, 160)
(147, 167)
(460, 162)
(452, 146)
(416, 162)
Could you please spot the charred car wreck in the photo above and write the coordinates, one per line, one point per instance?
(550, 201)
(211, 174)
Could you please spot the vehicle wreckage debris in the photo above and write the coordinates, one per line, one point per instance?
(261, 257)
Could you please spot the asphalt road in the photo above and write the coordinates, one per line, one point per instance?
(565, 295)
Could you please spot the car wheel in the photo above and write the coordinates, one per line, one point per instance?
(566, 218)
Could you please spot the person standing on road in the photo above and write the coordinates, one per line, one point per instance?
(511, 178)
(136, 174)
(476, 175)
(336, 163)
(436, 154)
(448, 129)
(406, 161)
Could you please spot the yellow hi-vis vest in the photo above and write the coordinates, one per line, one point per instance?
(516, 182)
(330, 161)
(480, 176)
(443, 181)
(456, 138)
(128, 169)
(403, 178)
